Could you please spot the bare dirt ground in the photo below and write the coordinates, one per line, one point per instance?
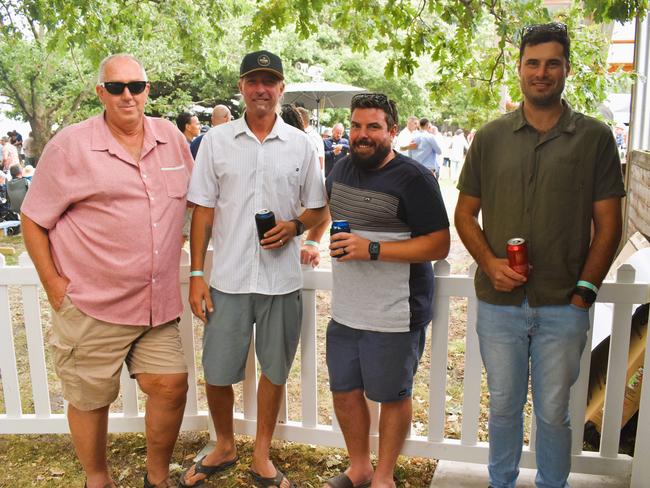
(48, 460)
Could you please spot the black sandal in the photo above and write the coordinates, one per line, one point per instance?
(276, 481)
(208, 471)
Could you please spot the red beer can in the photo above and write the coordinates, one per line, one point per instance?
(517, 250)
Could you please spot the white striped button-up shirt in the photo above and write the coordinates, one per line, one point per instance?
(237, 175)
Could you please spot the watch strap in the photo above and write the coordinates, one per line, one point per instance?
(300, 227)
(587, 294)
(373, 250)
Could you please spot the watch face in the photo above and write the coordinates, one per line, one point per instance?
(373, 249)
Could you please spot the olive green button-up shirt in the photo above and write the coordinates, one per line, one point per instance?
(541, 187)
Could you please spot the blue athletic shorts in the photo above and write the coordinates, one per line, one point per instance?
(381, 363)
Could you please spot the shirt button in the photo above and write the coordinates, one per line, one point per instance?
(156, 251)
(151, 198)
(155, 224)
(144, 176)
(153, 280)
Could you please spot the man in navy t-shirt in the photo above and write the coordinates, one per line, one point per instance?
(382, 297)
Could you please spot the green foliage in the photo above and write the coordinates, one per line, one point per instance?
(621, 10)
(462, 51)
(446, 59)
(50, 50)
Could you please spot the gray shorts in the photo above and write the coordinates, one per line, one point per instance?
(380, 363)
(228, 333)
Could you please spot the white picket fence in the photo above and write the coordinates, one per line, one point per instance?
(622, 294)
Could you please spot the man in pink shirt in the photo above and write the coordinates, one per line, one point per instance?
(102, 223)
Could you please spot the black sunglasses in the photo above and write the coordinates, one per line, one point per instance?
(117, 87)
(378, 99)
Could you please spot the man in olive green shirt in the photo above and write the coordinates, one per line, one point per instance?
(552, 173)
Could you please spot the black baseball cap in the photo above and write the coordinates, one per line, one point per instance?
(261, 61)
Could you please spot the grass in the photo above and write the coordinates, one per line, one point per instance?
(48, 461)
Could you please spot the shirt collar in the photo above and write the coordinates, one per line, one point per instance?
(103, 140)
(566, 123)
(280, 129)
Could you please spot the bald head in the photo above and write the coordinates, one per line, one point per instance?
(412, 123)
(220, 115)
(101, 75)
(337, 131)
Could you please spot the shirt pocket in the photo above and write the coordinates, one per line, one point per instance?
(176, 180)
(290, 172)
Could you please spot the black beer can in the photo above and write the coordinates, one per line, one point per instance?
(339, 226)
(265, 221)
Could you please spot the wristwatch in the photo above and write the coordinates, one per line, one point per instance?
(300, 227)
(588, 295)
(373, 249)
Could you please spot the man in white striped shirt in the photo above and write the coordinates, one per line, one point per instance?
(256, 162)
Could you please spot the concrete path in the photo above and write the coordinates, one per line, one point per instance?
(450, 474)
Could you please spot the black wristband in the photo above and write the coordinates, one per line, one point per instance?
(588, 295)
(300, 227)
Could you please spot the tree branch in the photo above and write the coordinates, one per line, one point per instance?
(74, 60)
(81, 97)
(13, 89)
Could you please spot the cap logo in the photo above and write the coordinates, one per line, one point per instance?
(263, 60)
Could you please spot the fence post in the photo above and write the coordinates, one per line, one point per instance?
(8, 370)
(619, 347)
(35, 345)
(473, 371)
(308, 363)
(640, 464)
(439, 352)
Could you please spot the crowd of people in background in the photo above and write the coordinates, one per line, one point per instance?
(18, 163)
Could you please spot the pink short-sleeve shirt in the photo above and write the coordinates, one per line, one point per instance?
(115, 225)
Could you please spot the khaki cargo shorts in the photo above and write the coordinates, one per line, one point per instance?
(88, 354)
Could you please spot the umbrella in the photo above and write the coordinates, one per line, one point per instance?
(320, 94)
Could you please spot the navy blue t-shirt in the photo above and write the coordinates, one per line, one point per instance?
(397, 202)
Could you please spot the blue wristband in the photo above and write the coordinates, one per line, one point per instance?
(196, 273)
(311, 243)
(586, 284)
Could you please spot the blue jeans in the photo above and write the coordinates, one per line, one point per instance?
(551, 340)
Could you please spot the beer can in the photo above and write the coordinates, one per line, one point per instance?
(265, 221)
(517, 251)
(339, 226)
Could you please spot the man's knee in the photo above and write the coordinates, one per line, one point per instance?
(346, 399)
(506, 405)
(170, 388)
(552, 414)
